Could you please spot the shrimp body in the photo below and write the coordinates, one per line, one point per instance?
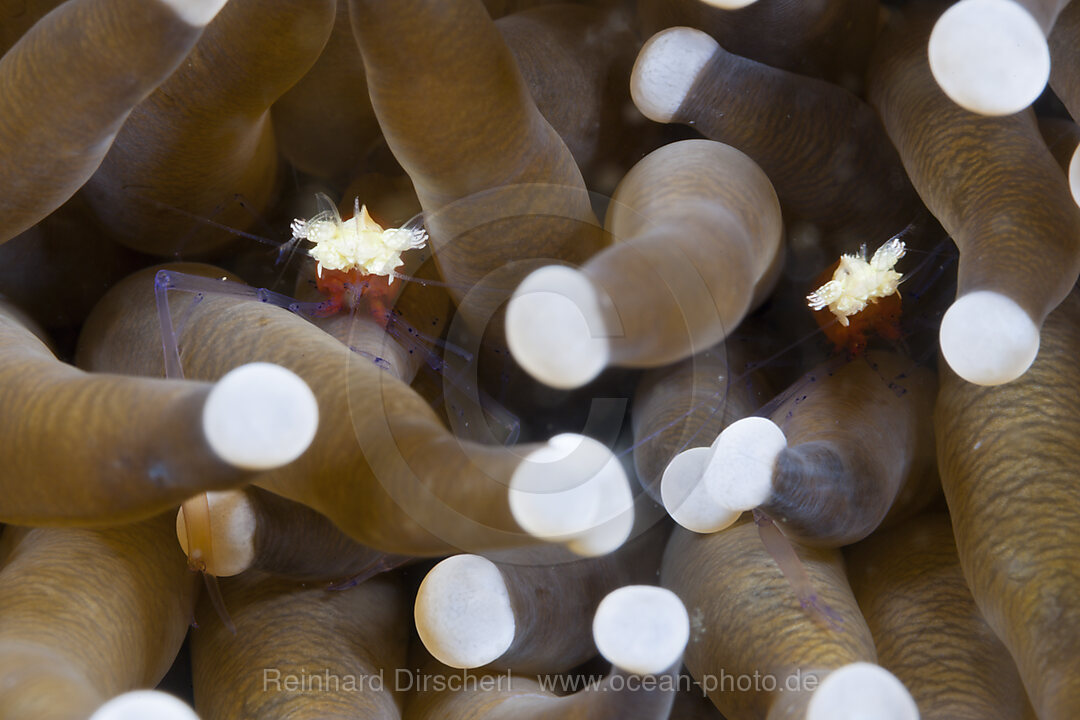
(353, 288)
(355, 259)
(860, 297)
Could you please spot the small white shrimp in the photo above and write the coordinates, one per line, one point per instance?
(358, 244)
(858, 281)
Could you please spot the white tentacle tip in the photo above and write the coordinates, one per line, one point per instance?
(260, 416)
(861, 691)
(197, 13)
(232, 532)
(573, 490)
(988, 339)
(685, 497)
(740, 473)
(463, 613)
(1074, 175)
(641, 629)
(729, 4)
(666, 69)
(555, 327)
(989, 56)
(143, 704)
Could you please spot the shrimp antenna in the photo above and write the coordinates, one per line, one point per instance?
(196, 510)
(214, 223)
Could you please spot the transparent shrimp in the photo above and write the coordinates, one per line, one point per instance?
(782, 552)
(196, 510)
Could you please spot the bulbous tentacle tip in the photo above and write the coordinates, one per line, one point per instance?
(686, 498)
(988, 339)
(666, 68)
(739, 476)
(197, 13)
(1074, 175)
(260, 416)
(729, 4)
(573, 490)
(232, 523)
(989, 56)
(641, 629)
(556, 327)
(861, 690)
(463, 612)
(142, 704)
